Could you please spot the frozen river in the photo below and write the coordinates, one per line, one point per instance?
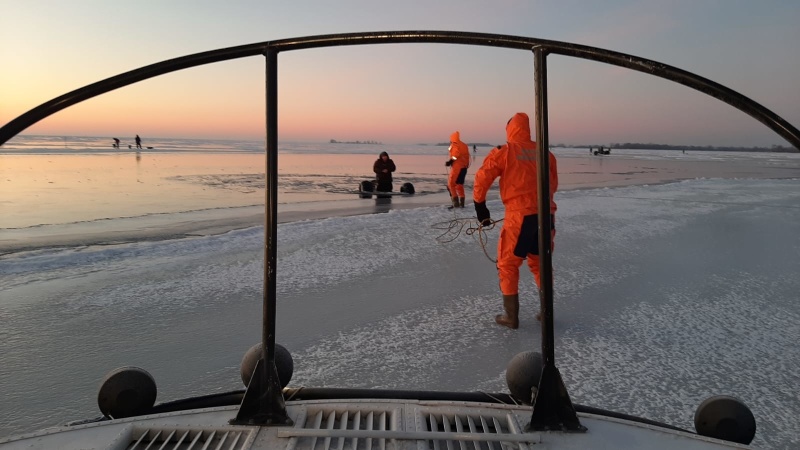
(664, 295)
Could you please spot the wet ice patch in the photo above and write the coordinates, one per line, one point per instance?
(308, 183)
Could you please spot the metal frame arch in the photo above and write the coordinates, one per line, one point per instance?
(727, 95)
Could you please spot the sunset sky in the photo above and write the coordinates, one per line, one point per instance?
(403, 93)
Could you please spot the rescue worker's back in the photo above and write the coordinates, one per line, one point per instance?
(515, 165)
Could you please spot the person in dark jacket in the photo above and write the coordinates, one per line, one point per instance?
(383, 168)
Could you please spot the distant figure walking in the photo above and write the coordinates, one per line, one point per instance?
(474, 149)
(116, 143)
(138, 141)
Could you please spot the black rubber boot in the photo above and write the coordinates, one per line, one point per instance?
(510, 318)
(460, 202)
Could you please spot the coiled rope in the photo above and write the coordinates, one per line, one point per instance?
(470, 226)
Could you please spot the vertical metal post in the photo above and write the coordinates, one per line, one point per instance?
(552, 408)
(263, 402)
(545, 225)
(271, 209)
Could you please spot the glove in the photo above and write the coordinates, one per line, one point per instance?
(483, 213)
(449, 163)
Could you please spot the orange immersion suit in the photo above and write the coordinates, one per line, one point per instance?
(459, 155)
(515, 165)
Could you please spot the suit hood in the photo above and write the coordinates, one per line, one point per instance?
(518, 128)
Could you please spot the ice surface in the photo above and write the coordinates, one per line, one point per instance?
(664, 295)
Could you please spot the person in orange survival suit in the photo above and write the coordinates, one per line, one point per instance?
(458, 163)
(515, 164)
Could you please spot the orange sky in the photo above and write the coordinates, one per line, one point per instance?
(402, 94)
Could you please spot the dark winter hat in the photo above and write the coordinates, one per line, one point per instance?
(384, 153)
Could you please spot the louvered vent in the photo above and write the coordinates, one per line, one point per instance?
(190, 439)
(320, 424)
(475, 432)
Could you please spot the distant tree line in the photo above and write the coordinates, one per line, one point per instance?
(469, 144)
(334, 141)
(651, 146)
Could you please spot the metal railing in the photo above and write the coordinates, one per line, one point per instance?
(733, 98)
(263, 403)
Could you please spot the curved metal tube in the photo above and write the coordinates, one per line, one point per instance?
(729, 96)
(264, 403)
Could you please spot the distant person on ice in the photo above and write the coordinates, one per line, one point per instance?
(515, 165)
(383, 168)
(138, 141)
(458, 162)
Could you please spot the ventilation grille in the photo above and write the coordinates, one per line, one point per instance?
(475, 432)
(355, 429)
(190, 439)
(364, 429)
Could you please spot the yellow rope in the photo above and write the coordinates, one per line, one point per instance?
(453, 229)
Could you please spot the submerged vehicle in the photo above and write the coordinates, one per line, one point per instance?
(269, 413)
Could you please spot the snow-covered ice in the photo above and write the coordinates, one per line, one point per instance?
(664, 295)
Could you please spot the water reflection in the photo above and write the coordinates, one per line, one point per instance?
(383, 203)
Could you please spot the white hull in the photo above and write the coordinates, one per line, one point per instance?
(363, 424)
